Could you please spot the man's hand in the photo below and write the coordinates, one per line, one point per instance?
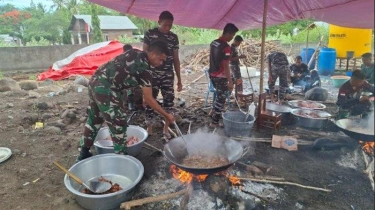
(230, 86)
(169, 118)
(364, 98)
(179, 86)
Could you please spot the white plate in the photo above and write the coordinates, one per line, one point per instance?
(5, 153)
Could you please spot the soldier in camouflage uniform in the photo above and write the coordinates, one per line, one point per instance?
(219, 71)
(278, 67)
(163, 77)
(106, 89)
(235, 64)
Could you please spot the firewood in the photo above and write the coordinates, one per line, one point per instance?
(129, 204)
(250, 168)
(285, 183)
(263, 177)
(369, 169)
(186, 198)
(262, 166)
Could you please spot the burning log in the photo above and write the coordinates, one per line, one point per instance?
(285, 183)
(129, 204)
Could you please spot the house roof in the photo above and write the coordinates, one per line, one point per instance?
(106, 22)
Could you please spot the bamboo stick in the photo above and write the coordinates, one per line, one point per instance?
(285, 183)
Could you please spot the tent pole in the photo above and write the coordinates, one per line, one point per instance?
(264, 24)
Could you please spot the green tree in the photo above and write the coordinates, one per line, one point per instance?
(98, 36)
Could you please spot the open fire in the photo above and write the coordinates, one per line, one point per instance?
(186, 177)
(368, 147)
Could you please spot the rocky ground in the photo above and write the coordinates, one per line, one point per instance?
(30, 181)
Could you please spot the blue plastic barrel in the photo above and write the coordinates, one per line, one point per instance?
(306, 56)
(327, 61)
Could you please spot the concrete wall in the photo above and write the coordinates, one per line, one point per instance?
(41, 58)
(33, 58)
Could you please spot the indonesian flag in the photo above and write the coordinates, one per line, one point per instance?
(87, 27)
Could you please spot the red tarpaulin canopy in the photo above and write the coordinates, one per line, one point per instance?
(247, 14)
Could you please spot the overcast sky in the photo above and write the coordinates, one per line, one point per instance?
(26, 3)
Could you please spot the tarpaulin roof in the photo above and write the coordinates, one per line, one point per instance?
(247, 14)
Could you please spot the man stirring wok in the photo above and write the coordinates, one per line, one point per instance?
(351, 100)
(106, 88)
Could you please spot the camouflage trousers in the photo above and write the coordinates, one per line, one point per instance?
(221, 86)
(162, 81)
(236, 78)
(135, 96)
(281, 72)
(105, 105)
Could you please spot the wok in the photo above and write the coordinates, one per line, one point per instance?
(175, 151)
(348, 126)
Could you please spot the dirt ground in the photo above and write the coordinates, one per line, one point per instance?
(30, 181)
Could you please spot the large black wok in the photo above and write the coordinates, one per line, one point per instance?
(175, 151)
(348, 126)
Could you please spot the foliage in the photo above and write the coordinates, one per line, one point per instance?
(143, 24)
(1, 75)
(127, 40)
(84, 8)
(5, 44)
(13, 23)
(40, 42)
(98, 36)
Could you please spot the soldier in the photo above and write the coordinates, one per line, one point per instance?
(106, 89)
(235, 64)
(278, 67)
(163, 76)
(219, 71)
(368, 67)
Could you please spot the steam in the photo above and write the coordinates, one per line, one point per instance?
(205, 142)
(368, 122)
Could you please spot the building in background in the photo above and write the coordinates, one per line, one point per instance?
(112, 27)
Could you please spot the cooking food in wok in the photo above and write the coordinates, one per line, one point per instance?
(207, 153)
(306, 104)
(204, 161)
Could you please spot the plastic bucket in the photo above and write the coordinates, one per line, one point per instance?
(327, 61)
(236, 125)
(306, 56)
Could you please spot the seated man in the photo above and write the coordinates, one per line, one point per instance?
(312, 80)
(299, 71)
(350, 99)
(368, 67)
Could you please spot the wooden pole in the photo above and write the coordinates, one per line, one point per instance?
(264, 24)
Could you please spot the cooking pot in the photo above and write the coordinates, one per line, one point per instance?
(309, 122)
(286, 117)
(207, 144)
(295, 104)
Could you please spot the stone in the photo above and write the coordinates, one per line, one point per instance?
(33, 94)
(8, 84)
(9, 105)
(65, 144)
(28, 84)
(42, 105)
(82, 119)
(48, 89)
(58, 123)
(47, 82)
(81, 80)
(52, 130)
(64, 113)
(46, 116)
(317, 94)
(10, 117)
(16, 152)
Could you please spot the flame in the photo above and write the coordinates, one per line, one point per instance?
(186, 177)
(368, 147)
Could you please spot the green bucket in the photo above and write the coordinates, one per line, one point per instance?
(339, 80)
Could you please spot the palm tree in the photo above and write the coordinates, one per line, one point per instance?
(58, 4)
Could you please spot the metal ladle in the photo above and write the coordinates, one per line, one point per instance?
(94, 186)
(181, 135)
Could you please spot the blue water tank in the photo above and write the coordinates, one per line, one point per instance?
(306, 56)
(327, 61)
